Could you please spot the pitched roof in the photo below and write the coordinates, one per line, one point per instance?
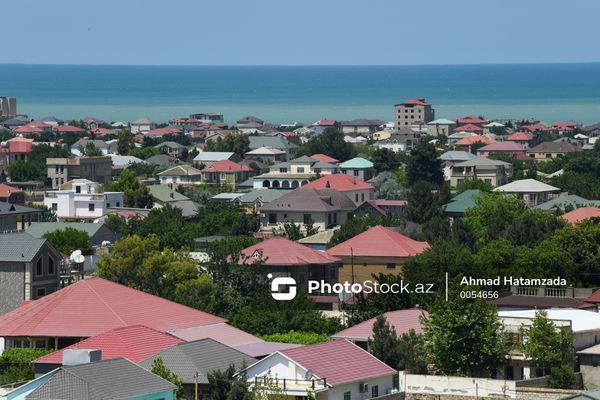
(324, 158)
(265, 151)
(92, 306)
(264, 195)
(417, 102)
(276, 142)
(442, 121)
(213, 156)
(481, 161)
(202, 356)
(341, 182)
(469, 140)
(302, 160)
(471, 119)
(165, 194)
(462, 202)
(281, 251)
(308, 199)
(19, 246)
(221, 332)
(6, 190)
(263, 348)
(339, 362)
(357, 162)
(135, 343)
(68, 128)
(111, 379)
(379, 241)
(457, 155)
(502, 146)
(181, 170)
(594, 297)
(162, 132)
(526, 186)
(321, 237)
(580, 214)
(227, 166)
(554, 147)
(519, 137)
(378, 204)
(402, 320)
(39, 229)
(567, 199)
(468, 128)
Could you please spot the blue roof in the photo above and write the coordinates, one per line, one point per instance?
(357, 162)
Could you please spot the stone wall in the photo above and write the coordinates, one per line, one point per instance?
(530, 393)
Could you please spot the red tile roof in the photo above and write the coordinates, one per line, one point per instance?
(6, 190)
(379, 241)
(468, 128)
(227, 166)
(339, 362)
(519, 137)
(281, 251)
(223, 333)
(135, 343)
(416, 102)
(502, 146)
(341, 182)
(39, 124)
(594, 297)
(68, 128)
(162, 132)
(17, 145)
(580, 214)
(326, 122)
(324, 158)
(402, 321)
(534, 127)
(469, 140)
(27, 129)
(471, 119)
(92, 306)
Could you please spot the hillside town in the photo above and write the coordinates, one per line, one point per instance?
(198, 258)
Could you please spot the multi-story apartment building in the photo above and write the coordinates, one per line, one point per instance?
(8, 107)
(61, 170)
(413, 112)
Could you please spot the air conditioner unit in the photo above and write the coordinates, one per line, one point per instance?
(363, 387)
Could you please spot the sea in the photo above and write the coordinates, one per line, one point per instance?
(304, 94)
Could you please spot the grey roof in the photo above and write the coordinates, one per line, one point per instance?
(455, 155)
(39, 229)
(309, 199)
(111, 379)
(165, 194)
(248, 183)
(203, 356)
(324, 165)
(188, 207)
(303, 160)
(181, 170)
(526, 186)
(565, 200)
(16, 209)
(123, 161)
(363, 122)
(553, 147)
(264, 195)
(99, 144)
(161, 159)
(142, 121)
(13, 122)
(213, 156)
(276, 142)
(19, 247)
(172, 145)
(52, 119)
(481, 161)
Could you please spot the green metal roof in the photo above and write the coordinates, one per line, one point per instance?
(39, 229)
(462, 202)
(165, 194)
(357, 162)
(565, 200)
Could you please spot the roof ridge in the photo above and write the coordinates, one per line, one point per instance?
(106, 304)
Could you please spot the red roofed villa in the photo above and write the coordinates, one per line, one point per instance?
(581, 214)
(377, 250)
(468, 128)
(226, 172)
(357, 190)
(330, 370)
(324, 158)
(509, 148)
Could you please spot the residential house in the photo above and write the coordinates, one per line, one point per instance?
(253, 200)
(355, 139)
(452, 157)
(280, 257)
(9, 194)
(494, 172)
(62, 170)
(249, 122)
(90, 307)
(413, 112)
(581, 214)
(320, 126)
(135, 343)
(142, 125)
(29, 269)
(357, 190)
(403, 321)
(381, 135)
(92, 123)
(471, 128)
(584, 325)
(161, 132)
(13, 150)
(324, 158)
(382, 207)
(532, 192)
(318, 368)
(78, 148)
(64, 129)
(98, 232)
(193, 361)
(274, 142)
(294, 173)
(180, 175)
(358, 167)
(440, 127)
(117, 379)
(564, 201)
(364, 127)
(377, 250)
(541, 298)
(267, 155)
(551, 150)
(17, 217)
(508, 148)
(209, 118)
(119, 162)
(162, 160)
(226, 172)
(467, 142)
(208, 158)
(521, 138)
(163, 195)
(319, 240)
(325, 208)
(173, 149)
(456, 136)
(460, 203)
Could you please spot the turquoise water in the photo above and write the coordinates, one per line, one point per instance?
(549, 92)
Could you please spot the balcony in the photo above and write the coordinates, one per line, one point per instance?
(290, 387)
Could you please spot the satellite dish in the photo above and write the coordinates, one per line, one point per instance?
(308, 375)
(77, 257)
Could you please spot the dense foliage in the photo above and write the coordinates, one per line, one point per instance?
(69, 239)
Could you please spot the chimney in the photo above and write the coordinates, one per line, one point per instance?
(80, 356)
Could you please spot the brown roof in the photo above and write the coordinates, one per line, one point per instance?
(554, 147)
(307, 199)
(6, 190)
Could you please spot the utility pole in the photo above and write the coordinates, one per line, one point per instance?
(196, 385)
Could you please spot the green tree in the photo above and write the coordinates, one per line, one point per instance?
(236, 143)
(387, 186)
(330, 142)
(228, 385)
(69, 239)
(124, 141)
(16, 364)
(90, 150)
(135, 193)
(562, 377)
(384, 344)
(425, 201)
(296, 337)
(424, 165)
(546, 345)
(159, 368)
(474, 184)
(463, 337)
(22, 171)
(385, 160)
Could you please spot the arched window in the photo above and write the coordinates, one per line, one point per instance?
(266, 184)
(304, 183)
(295, 184)
(275, 184)
(285, 184)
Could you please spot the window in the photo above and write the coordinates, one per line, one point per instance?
(91, 207)
(54, 206)
(107, 205)
(300, 170)
(40, 292)
(356, 197)
(283, 170)
(362, 197)
(77, 189)
(307, 218)
(390, 266)
(488, 180)
(56, 169)
(347, 396)
(50, 266)
(272, 218)
(118, 204)
(317, 170)
(375, 391)
(39, 267)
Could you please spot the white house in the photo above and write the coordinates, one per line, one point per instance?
(333, 370)
(81, 199)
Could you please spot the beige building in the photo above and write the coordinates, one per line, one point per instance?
(413, 112)
(494, 172)
(440, 127)
(550, 150)
(62, 170)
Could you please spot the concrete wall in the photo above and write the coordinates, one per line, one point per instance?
(12, 282)
(366, 267)
(456, 386)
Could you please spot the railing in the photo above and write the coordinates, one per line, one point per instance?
(556, 292)
(527, 291)
(289, 384)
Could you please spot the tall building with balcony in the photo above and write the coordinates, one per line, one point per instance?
(62, 170)
(413, 112)
(81, 199)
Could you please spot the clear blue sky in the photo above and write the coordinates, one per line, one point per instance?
(284, 32)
